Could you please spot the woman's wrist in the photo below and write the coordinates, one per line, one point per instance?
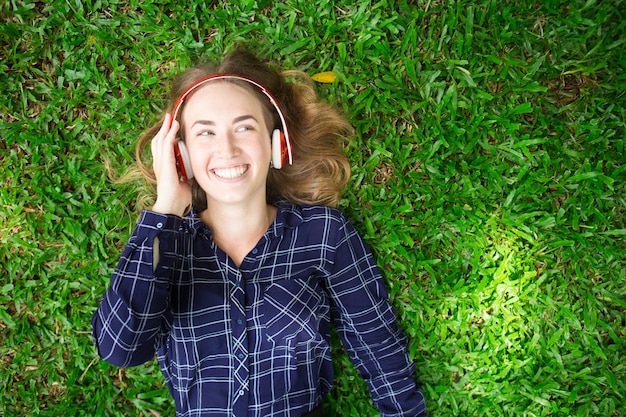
(168, 207)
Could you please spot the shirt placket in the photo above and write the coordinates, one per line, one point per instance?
(239, 345)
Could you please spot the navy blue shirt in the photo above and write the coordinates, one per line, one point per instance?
(254, 340)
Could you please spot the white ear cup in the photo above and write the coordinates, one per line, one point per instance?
(183, 161)
(277, 152)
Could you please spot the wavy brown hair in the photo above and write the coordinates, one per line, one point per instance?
(317, 132)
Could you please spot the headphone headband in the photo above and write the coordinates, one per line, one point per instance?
(228, 76)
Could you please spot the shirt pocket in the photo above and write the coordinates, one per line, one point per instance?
(292, 311)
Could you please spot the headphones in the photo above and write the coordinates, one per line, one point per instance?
(281, 145)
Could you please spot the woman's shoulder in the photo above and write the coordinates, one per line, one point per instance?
(311, 215)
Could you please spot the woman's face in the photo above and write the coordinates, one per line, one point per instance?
(228, 141)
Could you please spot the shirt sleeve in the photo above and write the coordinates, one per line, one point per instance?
(133, 317)
(368, 327)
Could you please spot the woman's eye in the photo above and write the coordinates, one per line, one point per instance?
(205, 133)
(244, 128)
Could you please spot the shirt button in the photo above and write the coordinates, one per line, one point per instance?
(239, 322)
(241, 392)
(159, 225)
(255, 251)
(241, 356)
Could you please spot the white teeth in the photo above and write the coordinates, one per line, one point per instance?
(230, 173)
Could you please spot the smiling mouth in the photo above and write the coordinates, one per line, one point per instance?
(230, 173)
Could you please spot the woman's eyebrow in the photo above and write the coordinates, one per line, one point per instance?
(203, 122)
(244, 117)
(235, 120)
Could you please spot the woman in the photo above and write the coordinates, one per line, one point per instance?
(233, 277)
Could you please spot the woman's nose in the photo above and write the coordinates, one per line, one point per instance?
(226, 145)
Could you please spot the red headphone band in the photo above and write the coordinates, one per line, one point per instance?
(228, 76)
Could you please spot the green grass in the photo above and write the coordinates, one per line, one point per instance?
(489, 179)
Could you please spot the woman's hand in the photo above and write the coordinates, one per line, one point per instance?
(173, 195)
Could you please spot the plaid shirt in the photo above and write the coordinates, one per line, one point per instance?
(254, 340)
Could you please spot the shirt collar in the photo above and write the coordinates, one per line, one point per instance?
(289, 216)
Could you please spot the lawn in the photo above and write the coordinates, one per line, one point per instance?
(489, 179)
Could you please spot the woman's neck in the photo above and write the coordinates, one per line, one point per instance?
(237, 229)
